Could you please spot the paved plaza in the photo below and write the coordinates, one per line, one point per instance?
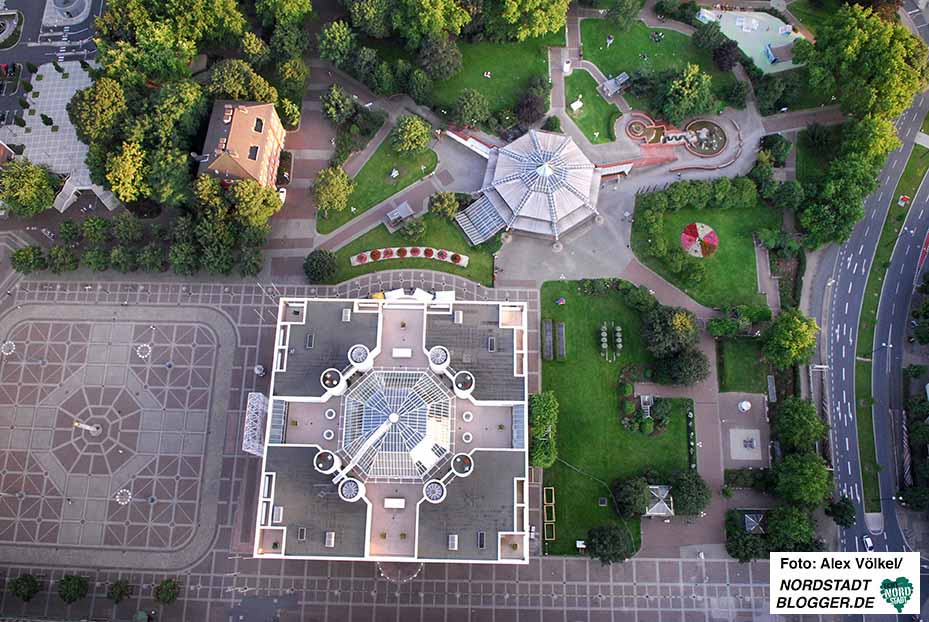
(164, 370)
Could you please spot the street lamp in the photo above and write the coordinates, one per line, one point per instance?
(883, 345)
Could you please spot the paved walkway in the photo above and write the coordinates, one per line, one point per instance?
(800, 119)
(767, 284)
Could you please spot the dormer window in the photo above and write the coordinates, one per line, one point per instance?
(253, 152)
(259, 125)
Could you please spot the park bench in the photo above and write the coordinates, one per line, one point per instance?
(547, 339)
(561, 341)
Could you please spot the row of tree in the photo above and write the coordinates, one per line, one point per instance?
(72, 588)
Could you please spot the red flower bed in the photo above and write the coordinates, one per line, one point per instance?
(388, 253)
(428, 252)
(415, 251)
(401, 252)
(375, 255)
(442, 255)
(361, 258)
(456, 258)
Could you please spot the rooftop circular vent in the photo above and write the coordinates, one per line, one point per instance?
(463, 383)
(358, 354)
(434, 491)
(326, 462)
(351, 490)
(438, 359)
(331, 378)
(462, 465)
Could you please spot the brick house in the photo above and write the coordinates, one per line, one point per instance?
(244, 141)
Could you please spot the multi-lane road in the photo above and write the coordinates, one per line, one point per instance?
(844, 283)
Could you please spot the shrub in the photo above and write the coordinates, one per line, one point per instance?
(167, 591)
(647, 425)
(388, 253)
(401, 252)
(25, 587)
(320, 266)
(415, 251)
(72, 588)
(552, 124)
(445, 204)
(119, 590)
(414, 229)
(626, 389)
(456, 258)
(628, 407)
(543, 424)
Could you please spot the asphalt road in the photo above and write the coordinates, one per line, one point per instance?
(845, 290)
(39, 44)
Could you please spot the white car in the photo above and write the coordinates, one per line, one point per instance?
(282, 193)
(868, 544)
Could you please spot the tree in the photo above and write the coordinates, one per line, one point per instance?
(789, 195)
(708, 36)
(726, 55)
(521, 19)
(332, 189)
(27, 188)
(215, 234)
(254, 204)
(440, 58)
(631, 496)
(167, 591)
(28, 259)
(96, 111)
(152, 258)
(690, 493)
(531, 107)
(543, 424)
(802, 479)
(283, 12)
(371, 17)
(842, 512)
(415, 21)
(916, 498)
(609, 543)
(96, 258)
(25, 587)
(336, 43)
(72, 588)
(177, 110)
(96, 230)
(291, 79)
(320, 266)
(919, 434)
(471, 108)
(790, 340)
(624, 13)
(410, 135)
(123, 259)
(872, 65)
(127, 172)
(686, 368)
(251, 261)
(668, 330)
(915, 371)
(444, 204)
(62, 259)
(235, 79)
(789, 528)
(127, 229)
(778, 147)
(119, 591)
(870, 136)
(184, 258)
(798, 425)
(337, 105)
(69, 232)
(255, 49)
(689, 93)
(419, 86)
(168, 177)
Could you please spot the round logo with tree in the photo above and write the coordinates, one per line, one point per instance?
(699, 240)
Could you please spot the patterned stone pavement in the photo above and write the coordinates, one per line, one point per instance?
(164, 370)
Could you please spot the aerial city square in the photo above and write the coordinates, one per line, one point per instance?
(463, 310)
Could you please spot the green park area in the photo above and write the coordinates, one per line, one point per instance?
(374, 184)
(635, 50)
(440, 233)
(594, 448)
(731, 275)
(814, 154)
(597, 116)
(741, 366)
(814, 13)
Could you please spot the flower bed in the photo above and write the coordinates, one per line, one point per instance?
(410, 252)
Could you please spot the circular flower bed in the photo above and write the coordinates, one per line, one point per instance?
(401, 253)
(375, 255)
(361, 258)
(443, 255)
(415, 251)
(428, 253)
(456, 258)
(388, 253)
(699, 240)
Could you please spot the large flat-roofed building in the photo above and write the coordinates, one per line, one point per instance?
(396, 430)
(243, 141)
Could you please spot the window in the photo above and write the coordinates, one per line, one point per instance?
(301, 534)
(310, 340)
(253, 152)
(259, 124)
(481, 537)
(491, 344)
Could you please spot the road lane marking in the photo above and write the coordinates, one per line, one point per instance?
(846, 308)
(855, 269)
(846, 444)
(861, 249)
(849, 288)
(843, 374)
(849, 465)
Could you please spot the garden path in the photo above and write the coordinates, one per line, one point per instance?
(800, 119)
(767, 284)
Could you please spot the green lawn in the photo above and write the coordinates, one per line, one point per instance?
(440, 233)
(813, 17)
(741, 366)
(373, 183)
(511, 65)
(590, 435)
(813, 162)
(731, 276)
(867, 453)
(597, 116)
(806, 97)
(674, 52)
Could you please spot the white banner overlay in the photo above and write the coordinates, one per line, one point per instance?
(816, 583)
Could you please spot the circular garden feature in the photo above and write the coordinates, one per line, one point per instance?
(699, 240)
(705, 138)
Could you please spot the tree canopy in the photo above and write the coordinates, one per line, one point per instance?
(332, 189)
(789, 528)
(521, 19)
(27, 188)
(411, 134)
(320, 266)
(790, 340)
(690, 493)
(798, 426)
(802, 479)
(96, 110)
(416, 21)
(631, 496)
(689, 93)
(609, 543)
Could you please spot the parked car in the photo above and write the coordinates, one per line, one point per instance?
(282, 193)
(868, 544)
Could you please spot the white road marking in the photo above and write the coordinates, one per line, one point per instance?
(849, 465)
(846, 444)
(849, 288)
(861, 249)
(844, 397)
(846, 308)
(855, 269)
(843, 374)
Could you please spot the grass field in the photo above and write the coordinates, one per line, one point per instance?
(731, 276)
(741, 366)
(806, 96)
(597, 116)
(440, 233)
(813, 162)
(590, 435)
(373, 183)
(813, 17)
(674, 52)
(510, 64)
(871, 488)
